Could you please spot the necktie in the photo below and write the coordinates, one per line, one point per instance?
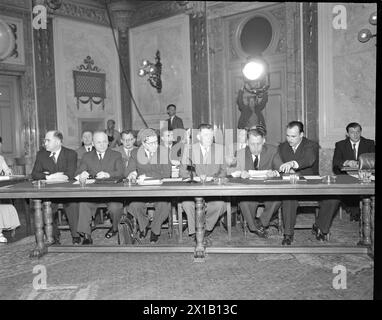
(100, 156)
(88, 149)
(53, 156)
(354, 151)
(205, 153)
(256, 162)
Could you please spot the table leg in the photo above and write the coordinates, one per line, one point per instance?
(229, 219)
(366, 212)
(40, 248)
(48, 219)
(170, 221)
(361, 220)
(27, 216)
(180, 221)
(372, 224)
(199, 254)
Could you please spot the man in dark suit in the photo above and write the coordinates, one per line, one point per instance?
(128, 141)
(170, 151)
(145, 163)
(174, 122)
(101, 163)
(257, 155)
(300, 155)
(58, 163)
(346, 154)
(347, 151)
(87, 144)
(208, 160)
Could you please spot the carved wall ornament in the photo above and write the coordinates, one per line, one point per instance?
(89, 84)
(11, 35)
(81, 12)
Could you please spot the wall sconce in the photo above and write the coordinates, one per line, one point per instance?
(365, 34)
(154, 72)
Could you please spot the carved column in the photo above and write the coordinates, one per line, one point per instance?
(45, 78)
(310, 63)
(122, 15)
(199, 66)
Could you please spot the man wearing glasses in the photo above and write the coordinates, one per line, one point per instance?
(145, 163)
(128, 141)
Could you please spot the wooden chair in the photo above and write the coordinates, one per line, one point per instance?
(243, 222)
(228, 213)
(150, 212)
(101, 212)
(314, 204)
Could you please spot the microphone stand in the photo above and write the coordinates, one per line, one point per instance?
(191, 169)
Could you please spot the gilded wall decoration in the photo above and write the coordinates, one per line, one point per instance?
(279, 14)
(84, 13)
(18, 55)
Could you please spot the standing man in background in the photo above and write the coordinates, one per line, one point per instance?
(87, 144)
(174, 122)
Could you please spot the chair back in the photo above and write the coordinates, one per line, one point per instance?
(367, 161)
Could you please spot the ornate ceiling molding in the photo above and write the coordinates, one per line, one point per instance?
(82, 12)
(159, 10)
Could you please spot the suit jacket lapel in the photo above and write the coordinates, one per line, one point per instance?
(60, 159)
(349, 147)
(248, 159)
(264, 158)
(361, 147)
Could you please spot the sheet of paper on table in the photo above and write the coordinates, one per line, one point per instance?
(172, 179)
(313, 177)
(88, 181)
(258, 173)
(51, 181)
(149, 182)
(208, 179)
(5, 178)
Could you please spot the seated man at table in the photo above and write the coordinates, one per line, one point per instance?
(145, 163)
(128, 141)
(170, 151)
(346, 154)
(300, 155)
(206, 158)
(58, 163)
(86, 144)
(100, 163)
(257, 155)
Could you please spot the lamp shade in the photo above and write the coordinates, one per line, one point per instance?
(7, 40)
(373, 18)
(364, 35)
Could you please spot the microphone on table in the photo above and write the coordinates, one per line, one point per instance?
(191, 170)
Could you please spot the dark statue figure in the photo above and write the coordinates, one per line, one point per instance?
(251, 112)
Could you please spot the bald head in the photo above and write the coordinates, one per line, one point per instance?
(100, 141)
(53, 140)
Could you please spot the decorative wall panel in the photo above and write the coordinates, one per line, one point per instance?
(45, 80)
(226, 60)
(27, 124)
(73, 42)
(18, 55)
(171, 37)
(347, 74)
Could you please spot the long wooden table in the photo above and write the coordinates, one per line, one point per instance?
(345, 185)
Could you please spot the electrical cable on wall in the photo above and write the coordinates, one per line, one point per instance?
(122, 67)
